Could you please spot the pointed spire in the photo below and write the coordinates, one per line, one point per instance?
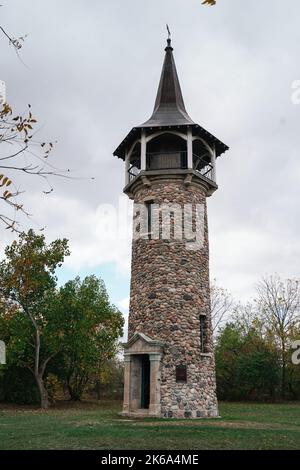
(169, 108)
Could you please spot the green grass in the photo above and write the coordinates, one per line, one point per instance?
(93, 426)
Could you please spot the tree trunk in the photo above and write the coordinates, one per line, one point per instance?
(76, 385)
(98, 389)
(43, 392)
(283, 380)
(73, 392)
(39, 369)
(283, 370)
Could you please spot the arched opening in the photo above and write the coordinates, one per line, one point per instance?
(166, 151)
(202, 159)
(135, 161)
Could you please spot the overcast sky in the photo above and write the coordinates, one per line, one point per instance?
(91, 74)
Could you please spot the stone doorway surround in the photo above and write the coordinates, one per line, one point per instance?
(139, 345)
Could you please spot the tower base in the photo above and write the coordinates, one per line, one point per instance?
(147, 394)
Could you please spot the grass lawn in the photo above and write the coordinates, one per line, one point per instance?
(98, 426)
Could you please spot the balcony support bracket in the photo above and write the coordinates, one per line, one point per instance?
(146, 182)
(188, 180)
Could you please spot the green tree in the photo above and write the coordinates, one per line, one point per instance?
(91, 326)
(247, 365)
(30, 325)
(109, 380)
(227, 352)
(258, 368)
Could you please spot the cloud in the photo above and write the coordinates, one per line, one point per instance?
(97, 235)
(97, 76)
(124, 304)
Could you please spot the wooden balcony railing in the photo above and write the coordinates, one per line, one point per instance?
(171, 160)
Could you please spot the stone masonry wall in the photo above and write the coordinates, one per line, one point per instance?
(169, 292)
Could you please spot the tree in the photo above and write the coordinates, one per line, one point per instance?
(246, 365)
(91, 327)
(28, 288)
(258, 368)
(21, 153)
(227, 353)
(221, 304)
(109, 381)
(15, 42)
(279, 305)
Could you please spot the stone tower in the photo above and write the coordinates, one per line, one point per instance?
(170, 170)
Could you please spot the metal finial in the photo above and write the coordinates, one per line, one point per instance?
(169, 37)
(169, 32)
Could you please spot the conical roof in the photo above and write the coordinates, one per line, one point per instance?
(169, 108)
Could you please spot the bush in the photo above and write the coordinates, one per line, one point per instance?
(247, 366)
(18, 386)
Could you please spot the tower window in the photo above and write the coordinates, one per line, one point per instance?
(148, 205)
(202, 333)
(181, 373)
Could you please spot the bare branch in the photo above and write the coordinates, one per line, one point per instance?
(221, 304)
(18, 133)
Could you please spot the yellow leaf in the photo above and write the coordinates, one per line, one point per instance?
(4, 181)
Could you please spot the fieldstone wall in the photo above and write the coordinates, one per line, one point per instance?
(169, 292)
